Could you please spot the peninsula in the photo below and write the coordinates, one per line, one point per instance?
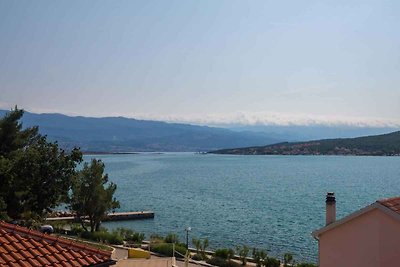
(377, 145)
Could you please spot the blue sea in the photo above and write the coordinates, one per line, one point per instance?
(268, 202)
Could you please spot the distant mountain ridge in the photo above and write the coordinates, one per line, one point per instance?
(377, 145)
(119, 134)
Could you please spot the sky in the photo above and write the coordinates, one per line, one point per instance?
(206, 61)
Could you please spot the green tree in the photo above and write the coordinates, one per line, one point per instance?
(35, 175)
(197, 244)
(203, 248)
(287, 259)
(92, 196)
(260, 257)
(243, 252)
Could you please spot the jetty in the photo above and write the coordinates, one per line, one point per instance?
(113, 216)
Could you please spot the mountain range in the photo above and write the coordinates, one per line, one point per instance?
(119, 134)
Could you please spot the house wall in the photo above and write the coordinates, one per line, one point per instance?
(372, 239)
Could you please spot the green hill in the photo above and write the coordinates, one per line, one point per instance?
(377, 145)
(119, 134)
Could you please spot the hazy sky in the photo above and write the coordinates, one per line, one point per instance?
(204, 61)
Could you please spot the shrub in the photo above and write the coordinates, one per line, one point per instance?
(171, 238)
(272, 262)
(217, 261)
(224, 253)
(115, 239)
(287, 259)
(243, 252)
(231, 263)
(76, 230)
(260, 257)
(306, 265)
(197, 257)
(155, 238)
(197, 244)
(129, 235)
(103, 236)
(167, 250)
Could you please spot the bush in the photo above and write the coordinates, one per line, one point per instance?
(243, 252)
(197, 257)
(272, 262)
(306, 265)
(167, 249)
(130, 235)
(104, 237)
(115, 239)
(76, 230)
(260, 257)
(217, 261)
(224, 253)
(171, 238)
(155, 238)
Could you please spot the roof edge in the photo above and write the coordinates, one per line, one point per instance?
(375, 205)
(64, 242)
(345, 219)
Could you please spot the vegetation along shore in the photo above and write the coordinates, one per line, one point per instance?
(377, 145)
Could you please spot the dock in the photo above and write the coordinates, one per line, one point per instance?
(114, 216)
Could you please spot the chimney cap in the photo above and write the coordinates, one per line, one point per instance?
(330, 197)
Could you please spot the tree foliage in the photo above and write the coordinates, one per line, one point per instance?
(243, 252)
(35, 175)
(287, 259)
(92, 196)
(260, 257)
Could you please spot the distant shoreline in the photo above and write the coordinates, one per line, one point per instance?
(108, 153)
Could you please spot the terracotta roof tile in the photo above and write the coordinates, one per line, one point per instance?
(35, 252)
(26, 254)
(8, 247)
(17, 256)
(14, 264)
(33, 262)
(7, 258)
(21, 247)
(82, 262)
(24, 264)
(66, 264)
(51, 259)
(52, 249)
(26, 244)
(75, 263)
(90, 260)
(75, 254)
(43, 261)
(18, 246)
(59, 257)
(2, 250)
(391, 203)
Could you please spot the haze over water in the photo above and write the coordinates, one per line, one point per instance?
(270, 202)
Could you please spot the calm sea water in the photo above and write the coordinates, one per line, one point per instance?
(270, 202)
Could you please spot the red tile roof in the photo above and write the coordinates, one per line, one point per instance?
(391, 203)
(22, 247)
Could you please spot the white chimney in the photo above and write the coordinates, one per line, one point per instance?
(330, 208)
